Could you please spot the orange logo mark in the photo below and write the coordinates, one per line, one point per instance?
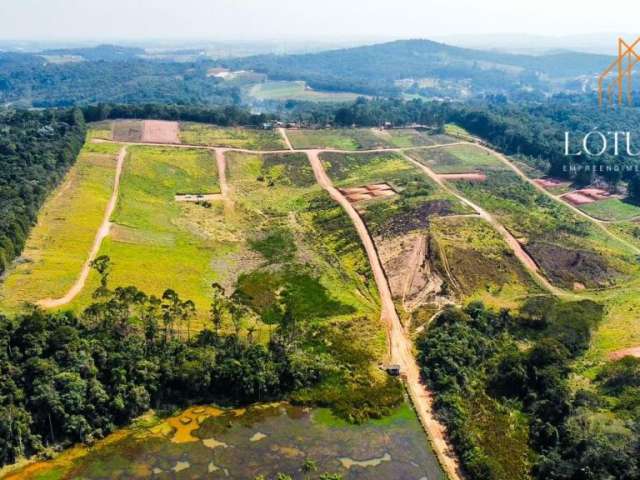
(619, 75)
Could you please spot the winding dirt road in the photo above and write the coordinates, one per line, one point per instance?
(513, 243)
(103, 231)
(599, 223)
(400, 345)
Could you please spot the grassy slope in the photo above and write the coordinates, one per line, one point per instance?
(157, 243)
(612, 209)
(60, 242)
(342, 139)
(201, 134)
(457, 159)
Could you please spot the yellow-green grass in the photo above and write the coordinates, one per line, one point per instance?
(157, 243)
(482, 265)
(213, 136)
(339, 139)
(457, 131)
(100, 130)
(60, 243)
(612, 209)
(405, 137)
(629, 231)
(297, 90)
(457, 159)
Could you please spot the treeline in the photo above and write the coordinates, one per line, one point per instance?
(67, 378)
(36, 149)
(224, 116)
(534, 131)
(571, 434)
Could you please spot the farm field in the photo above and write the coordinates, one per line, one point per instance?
(210, 135)
(457, 159)
(59, 244)
(296, 90)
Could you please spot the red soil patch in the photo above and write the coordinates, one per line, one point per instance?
(469, 177)
(160, 131)
(576, 198)
(550, 182)
(586, 195)
(358, 194)
(627, 352)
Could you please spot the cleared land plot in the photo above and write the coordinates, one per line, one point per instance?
(572, 252)
(417, 197)
(477, 261)
(408, 137)
(160, 131)
(213, 136)
(457, 159)
(127, 130)
(297, 90)
(340, 139)
(60, 242)
(157, 243)
(612, 209)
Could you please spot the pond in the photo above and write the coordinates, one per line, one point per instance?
(208, 442)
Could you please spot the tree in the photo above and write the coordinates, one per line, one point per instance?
(634, 188)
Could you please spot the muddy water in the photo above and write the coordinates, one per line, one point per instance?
(206, 442)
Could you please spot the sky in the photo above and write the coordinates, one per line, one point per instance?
(223, 20)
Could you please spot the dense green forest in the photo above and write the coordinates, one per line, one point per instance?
(36, 150)
(494, 367)
(27, 80)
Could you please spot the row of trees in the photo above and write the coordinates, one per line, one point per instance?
(475, 352)
(36, 150)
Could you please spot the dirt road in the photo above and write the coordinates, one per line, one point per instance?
(285, 137)
(221, 163)
(544, 191)
(400, 345)
(103, 231)
(518, 251)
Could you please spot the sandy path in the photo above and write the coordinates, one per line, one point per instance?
(400, 346)
(103, 231)
(285, 137)
(518, 251)
(221, 163)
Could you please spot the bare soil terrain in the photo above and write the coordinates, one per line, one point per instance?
(160, 131)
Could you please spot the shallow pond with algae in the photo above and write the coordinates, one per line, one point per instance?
(208, 442)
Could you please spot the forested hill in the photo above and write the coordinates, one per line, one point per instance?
(374, 69)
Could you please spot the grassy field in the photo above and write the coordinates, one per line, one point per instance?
(157, 243)
(297, 90)
(612, 209)
(202, 134)
(457, 159)
(60, 242)
(341, 139)
(409, 137)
